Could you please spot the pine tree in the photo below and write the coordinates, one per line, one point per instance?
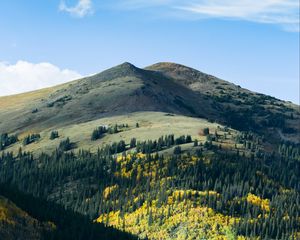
(205, 131)
(150, 218)
(177, 150)
(133, 143)
(53, 135)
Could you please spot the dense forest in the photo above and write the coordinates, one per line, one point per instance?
(205, 192)
(65, 224)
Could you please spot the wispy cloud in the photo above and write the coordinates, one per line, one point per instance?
(81, 9)
(284, 13)
(281, 12)
(25, 76)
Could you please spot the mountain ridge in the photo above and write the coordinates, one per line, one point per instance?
(125, 88)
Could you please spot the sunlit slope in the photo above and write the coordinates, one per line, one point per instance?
(163, 87)
(151, 125)
(120, 90)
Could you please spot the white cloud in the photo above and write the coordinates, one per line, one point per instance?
(25, 76)
(81, 9)
(284, 13)
(281, 12)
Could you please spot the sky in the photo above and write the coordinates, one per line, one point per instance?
(252, 43)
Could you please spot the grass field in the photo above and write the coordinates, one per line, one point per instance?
(152, 125)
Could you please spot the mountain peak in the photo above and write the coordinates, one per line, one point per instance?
(166, 66)
(126, 65)
(121, 70)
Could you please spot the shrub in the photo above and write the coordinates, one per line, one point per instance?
(98, 133)
(31, 138)
(205, 131)
(66, 145)
(53, 135)
(6, 140)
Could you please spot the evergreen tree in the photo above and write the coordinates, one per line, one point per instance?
(177, 150)
(206, 131)
(53, 135)
(133, 143)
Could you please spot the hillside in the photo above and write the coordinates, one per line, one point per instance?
(164, 152)
(163, 87)
(222, 187)
(35, 218)
(122, 89)
(17, 224)
(151, 126)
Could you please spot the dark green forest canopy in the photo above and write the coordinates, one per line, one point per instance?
(77, 181)
(68, 224)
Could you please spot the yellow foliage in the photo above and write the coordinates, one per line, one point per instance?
(119, 158)
(107, 191)
(264, 204)
(241, 238)
(285, 190)
(296, 235)
(183, 220)
(286, 217)
(4, 216)
(193, 193)
(141, 155)
(182, 216)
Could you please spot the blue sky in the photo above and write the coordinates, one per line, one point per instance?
(251, 43)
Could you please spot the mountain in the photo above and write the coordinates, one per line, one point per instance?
(122, 89)
(164, 152)
(163, 87)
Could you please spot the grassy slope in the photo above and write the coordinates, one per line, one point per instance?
(164, 87)
(152, 126)
(227, 95)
